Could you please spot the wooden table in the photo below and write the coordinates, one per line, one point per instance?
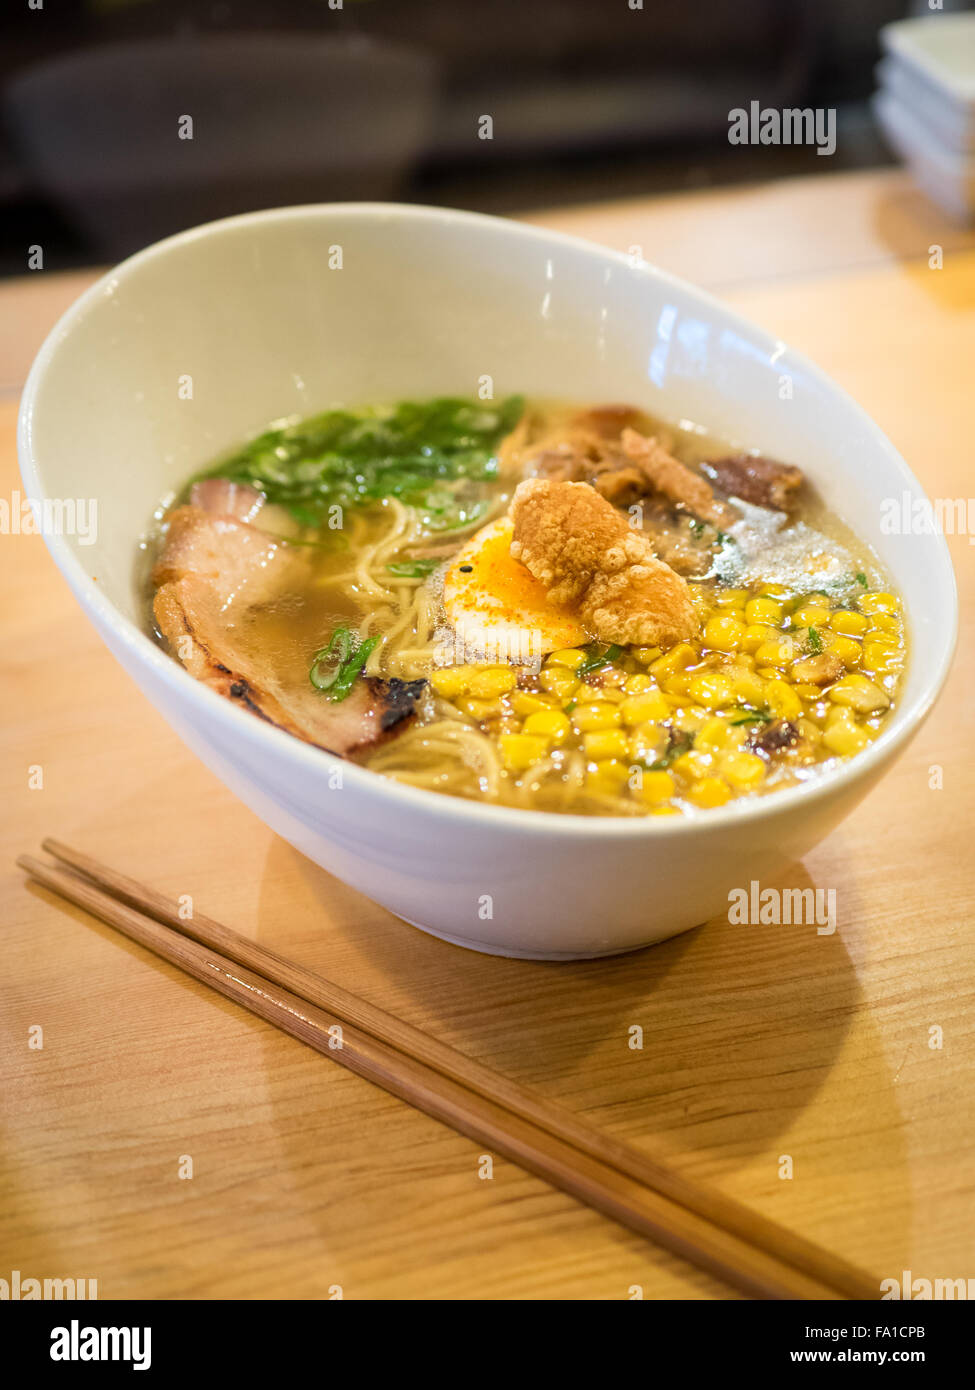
(759, 1043)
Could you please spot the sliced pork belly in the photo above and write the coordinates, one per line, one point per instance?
(213, 571)
(221, 497)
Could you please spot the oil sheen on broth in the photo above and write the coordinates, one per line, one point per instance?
(371, 557)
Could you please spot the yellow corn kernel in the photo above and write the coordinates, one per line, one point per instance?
(848, 651)
(595, 714)
(782, 700)
(548, 723)
(713, 734)
(606, 778)
(725, 633)
(881, 658)
(655, 787)
(605, 743)
(572, 657)
(677, 686)
(519, 751)
(749, 687)
(612, 693)
(887, 624)
(780, 651)
(883, 639)
(692, 765)
(647, 743)
(558, 680)
(757, 634)
(450, 681)
(839, 714)
(679, 657)
(878, 603)
(763, 610)
(690, 718)
(639, 709)
(844, 738)
(731, 598)
(858, 693)
(712, 689)
(743, 770)
(638, 684)
(810, 615)
(774, 590)
(525, 702)
(478, 709)
(848, 623)
(807, 692)
(710, 791)
(487, 682)
(810, 731)
(645, 655)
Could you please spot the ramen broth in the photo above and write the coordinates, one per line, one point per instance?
(586, 727)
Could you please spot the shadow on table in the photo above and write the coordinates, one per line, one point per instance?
(742, 1026)
(717, 1038)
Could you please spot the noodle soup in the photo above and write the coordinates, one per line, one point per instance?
(551, 606)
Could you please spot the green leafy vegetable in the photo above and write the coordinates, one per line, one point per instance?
(413, 569)
(335, 667)
(595, 658)
(427, 453)
(862, 579)
(814, 640)
(749, 715)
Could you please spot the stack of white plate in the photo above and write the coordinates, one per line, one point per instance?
(926, 104)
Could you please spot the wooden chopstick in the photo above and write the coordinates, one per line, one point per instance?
(721, 1235)
(818, 1264)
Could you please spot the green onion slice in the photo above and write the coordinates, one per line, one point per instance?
(334, 668)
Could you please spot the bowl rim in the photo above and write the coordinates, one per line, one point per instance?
(275, 742)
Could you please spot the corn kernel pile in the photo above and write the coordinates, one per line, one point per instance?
(775, 684)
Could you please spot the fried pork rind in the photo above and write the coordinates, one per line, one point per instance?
(583, 550)
(674, 480)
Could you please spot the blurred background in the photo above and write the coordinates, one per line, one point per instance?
(316, 100)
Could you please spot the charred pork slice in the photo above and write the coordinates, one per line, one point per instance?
(762, 481)
(213, 571)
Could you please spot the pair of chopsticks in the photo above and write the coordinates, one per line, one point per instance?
(644, 1194)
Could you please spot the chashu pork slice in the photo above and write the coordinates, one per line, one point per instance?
(214, 569)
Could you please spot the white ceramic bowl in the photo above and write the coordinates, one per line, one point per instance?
(426, 302)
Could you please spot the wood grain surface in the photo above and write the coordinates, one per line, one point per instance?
(759, 1043)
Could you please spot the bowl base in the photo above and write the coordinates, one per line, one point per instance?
(487, 948)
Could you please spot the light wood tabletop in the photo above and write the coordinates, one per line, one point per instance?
(759, 1043)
